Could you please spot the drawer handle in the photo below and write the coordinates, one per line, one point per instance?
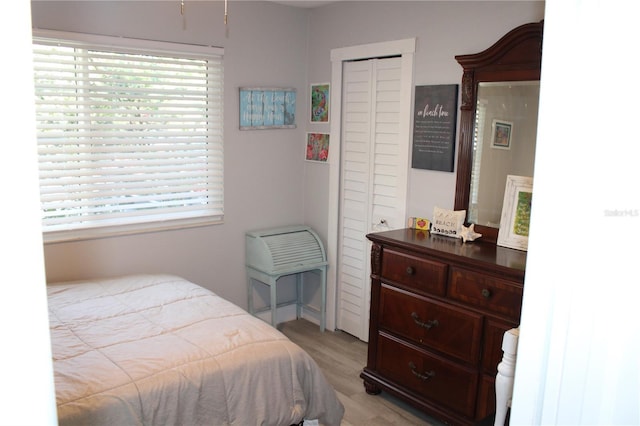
(486, 293)
(410, 270)
(422, 376)
(424, 324)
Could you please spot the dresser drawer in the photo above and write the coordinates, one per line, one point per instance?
(486, 292)
(492, 350)
(430, 377)
(422, 275)
(443, 327)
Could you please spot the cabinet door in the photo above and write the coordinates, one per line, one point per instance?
(486, 397)
(492, 351)
(491, 356)
(373, 178)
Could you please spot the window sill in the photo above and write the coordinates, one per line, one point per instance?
(55, 237)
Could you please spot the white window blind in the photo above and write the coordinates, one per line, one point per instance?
(129, 134)
(478, 140)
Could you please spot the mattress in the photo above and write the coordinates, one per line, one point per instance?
(157, 349)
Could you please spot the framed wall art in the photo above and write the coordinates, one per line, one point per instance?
(501, 134)
(434, 127)
(317, 148)
(320, 103)
(516, 213)
(267, 108)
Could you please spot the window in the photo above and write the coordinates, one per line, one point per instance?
(129, 134)
(478, 139)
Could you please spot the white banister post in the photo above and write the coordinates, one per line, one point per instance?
(506, 373)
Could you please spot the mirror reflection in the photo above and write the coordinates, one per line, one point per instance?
(505, 128)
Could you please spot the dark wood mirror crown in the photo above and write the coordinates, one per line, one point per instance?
(517, 56)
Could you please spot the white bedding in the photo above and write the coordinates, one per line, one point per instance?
(156, 349)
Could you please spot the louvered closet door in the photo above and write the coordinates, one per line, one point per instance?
(370, 165)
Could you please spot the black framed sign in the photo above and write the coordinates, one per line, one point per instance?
(434, 127)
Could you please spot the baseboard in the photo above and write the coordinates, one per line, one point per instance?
(288, 313)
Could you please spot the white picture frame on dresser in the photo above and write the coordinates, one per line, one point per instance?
(516, 212)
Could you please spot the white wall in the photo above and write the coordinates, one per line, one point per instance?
(583, 316)
(443, 29)
(267, 183)
(579, 349)
(26, 384)
(264, 45)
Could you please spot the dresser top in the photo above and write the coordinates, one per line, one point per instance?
(453, 249)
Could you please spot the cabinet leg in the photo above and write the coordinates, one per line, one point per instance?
(371, 388)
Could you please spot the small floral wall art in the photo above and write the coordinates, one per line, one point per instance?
(320, 103)
(317, 147)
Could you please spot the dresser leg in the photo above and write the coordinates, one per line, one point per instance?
(371, 388)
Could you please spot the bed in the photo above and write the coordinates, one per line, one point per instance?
(157, 349)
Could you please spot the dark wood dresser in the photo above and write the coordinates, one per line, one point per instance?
(439, 309)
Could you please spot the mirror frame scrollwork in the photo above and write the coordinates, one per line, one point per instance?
(517, 56)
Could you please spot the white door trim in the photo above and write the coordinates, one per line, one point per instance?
(406, 49)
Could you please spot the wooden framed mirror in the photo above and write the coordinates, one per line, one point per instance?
(498, 121)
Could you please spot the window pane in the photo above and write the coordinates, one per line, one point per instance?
(127, 138)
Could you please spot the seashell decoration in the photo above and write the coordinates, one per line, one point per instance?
(468, 234)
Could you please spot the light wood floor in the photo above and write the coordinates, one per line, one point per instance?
(342, 357)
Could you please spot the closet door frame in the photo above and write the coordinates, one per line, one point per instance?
(406, 50)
